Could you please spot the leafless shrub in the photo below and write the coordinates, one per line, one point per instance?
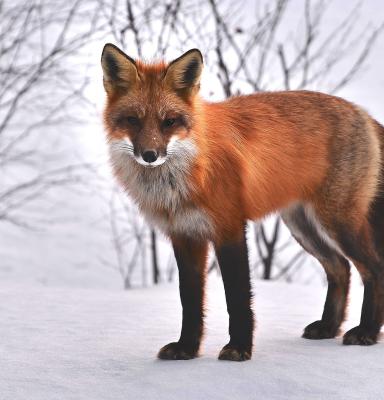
(38, 91)
(43, 78)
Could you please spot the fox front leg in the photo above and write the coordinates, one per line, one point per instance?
(191, 262)
(234, 265)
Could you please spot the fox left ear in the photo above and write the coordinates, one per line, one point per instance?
(184, 73)
(119, 70)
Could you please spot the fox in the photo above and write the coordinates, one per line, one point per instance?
(200, 170)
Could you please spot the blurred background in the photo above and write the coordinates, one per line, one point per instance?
(63, 220)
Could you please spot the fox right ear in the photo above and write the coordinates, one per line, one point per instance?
(120, 73)
(183, 74)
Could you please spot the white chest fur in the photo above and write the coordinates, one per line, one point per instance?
(189, 221)
(163, 188)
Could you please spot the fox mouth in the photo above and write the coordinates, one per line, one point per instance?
(125, 147)
(180, 152)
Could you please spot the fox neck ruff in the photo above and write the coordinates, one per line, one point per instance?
(163, 193)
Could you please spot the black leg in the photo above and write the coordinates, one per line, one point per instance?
(359, 245)
(191, 261)
(234, 265)
(338, 274)
(371, 320)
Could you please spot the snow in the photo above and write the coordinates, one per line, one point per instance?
(65, 343)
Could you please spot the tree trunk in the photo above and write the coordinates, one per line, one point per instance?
(155, 265)
(267, 262)
(268, 253)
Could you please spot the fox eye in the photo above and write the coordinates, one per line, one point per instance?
(133, 121)
(168, 122)
(129, 121)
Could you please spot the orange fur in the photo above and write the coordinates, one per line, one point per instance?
(256, 154)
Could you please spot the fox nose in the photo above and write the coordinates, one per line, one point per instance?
(149, 156)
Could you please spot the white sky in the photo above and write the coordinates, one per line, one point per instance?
(367, 89)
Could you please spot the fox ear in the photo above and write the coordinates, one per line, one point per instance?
(120, 72)
(184, 72)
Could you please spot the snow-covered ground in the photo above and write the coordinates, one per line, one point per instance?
(96, 344)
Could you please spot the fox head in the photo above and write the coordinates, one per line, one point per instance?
(150, 107)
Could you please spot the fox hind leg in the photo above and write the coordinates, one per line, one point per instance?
(359, 246)
(337, 270)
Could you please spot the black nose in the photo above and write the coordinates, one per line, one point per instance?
(150, 156)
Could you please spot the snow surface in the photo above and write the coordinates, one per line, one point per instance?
(67, 344)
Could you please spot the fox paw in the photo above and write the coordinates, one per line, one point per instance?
(175, 351)
(360, 336)
(319, 330)
(234, 353)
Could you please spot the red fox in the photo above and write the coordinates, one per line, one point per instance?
(199, 170)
